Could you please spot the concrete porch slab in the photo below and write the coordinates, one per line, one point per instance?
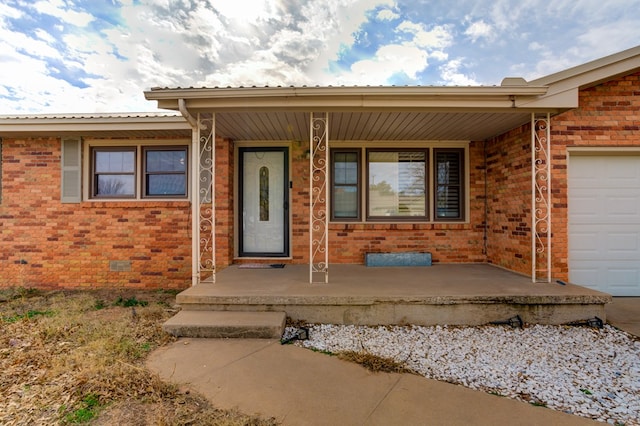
(461, 294)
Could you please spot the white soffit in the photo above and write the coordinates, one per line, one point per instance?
(369, 126)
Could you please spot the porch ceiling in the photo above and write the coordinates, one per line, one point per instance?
(362, 113)
(369, 126)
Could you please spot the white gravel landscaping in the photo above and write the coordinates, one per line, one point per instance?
(589, 372)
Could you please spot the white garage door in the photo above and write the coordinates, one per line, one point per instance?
(604, 223)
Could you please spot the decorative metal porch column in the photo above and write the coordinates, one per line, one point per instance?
(203, 200)
(541, 197)
(318, 220)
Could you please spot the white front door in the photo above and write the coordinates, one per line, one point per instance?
(604, 223)
(264, 202)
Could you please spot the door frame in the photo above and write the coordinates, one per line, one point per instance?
(285, 149)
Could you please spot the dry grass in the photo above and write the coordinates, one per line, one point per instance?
(77, 357)
(374, 363)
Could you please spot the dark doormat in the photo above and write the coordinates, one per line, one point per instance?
(261, 266)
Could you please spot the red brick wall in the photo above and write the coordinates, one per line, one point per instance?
(224, 203)
(509, 200)
(299, 203)
(348, 242)
(48, 244)
(608, 116)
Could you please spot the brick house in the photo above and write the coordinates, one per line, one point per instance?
(540, 177)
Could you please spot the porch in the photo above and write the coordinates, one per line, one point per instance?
(455, 294)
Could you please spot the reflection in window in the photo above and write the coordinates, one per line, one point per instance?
(165, 172)
(114, 173)
(397, 184)
(345, 185)
(264, 194)
(448, 184)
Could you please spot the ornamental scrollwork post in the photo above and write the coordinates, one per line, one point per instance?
(318, 218)
(541, 198)
(205, 197)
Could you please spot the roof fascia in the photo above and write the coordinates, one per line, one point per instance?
(345, 98)
(554, 102)
(79, 124)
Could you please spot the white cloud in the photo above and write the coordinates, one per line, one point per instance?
(439, 55)
(438, 37)
(622, 35)
(388, 61)
(333, 24)
(257, 42)
(245, 11)
(450, 73)
(478, 30)
(387, 15)
(20, 42)
(534, 45)
(9, 12)
(262, 70)
(59, 9)
(45, 36)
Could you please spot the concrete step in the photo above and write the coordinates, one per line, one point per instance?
(224, 324)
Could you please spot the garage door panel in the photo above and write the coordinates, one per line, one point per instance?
(622, 277)
(585, 242)
(622, 172)
(589, 207)
(582, 174)
(625, 208)
(604, 223)
(621, 244)
(586, 275)
(618, 280)
(618, 243)
(585, 207)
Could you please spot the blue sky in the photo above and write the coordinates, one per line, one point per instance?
(63, 56)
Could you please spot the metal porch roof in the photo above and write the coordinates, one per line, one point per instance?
(361, 113)
(115, 125)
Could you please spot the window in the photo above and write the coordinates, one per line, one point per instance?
(165, 172)
(396, 184)
(115, 172)
(345, 191)
(448, 180)
(399, 184)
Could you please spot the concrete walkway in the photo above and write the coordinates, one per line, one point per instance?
(301, 387)
(624, 313)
